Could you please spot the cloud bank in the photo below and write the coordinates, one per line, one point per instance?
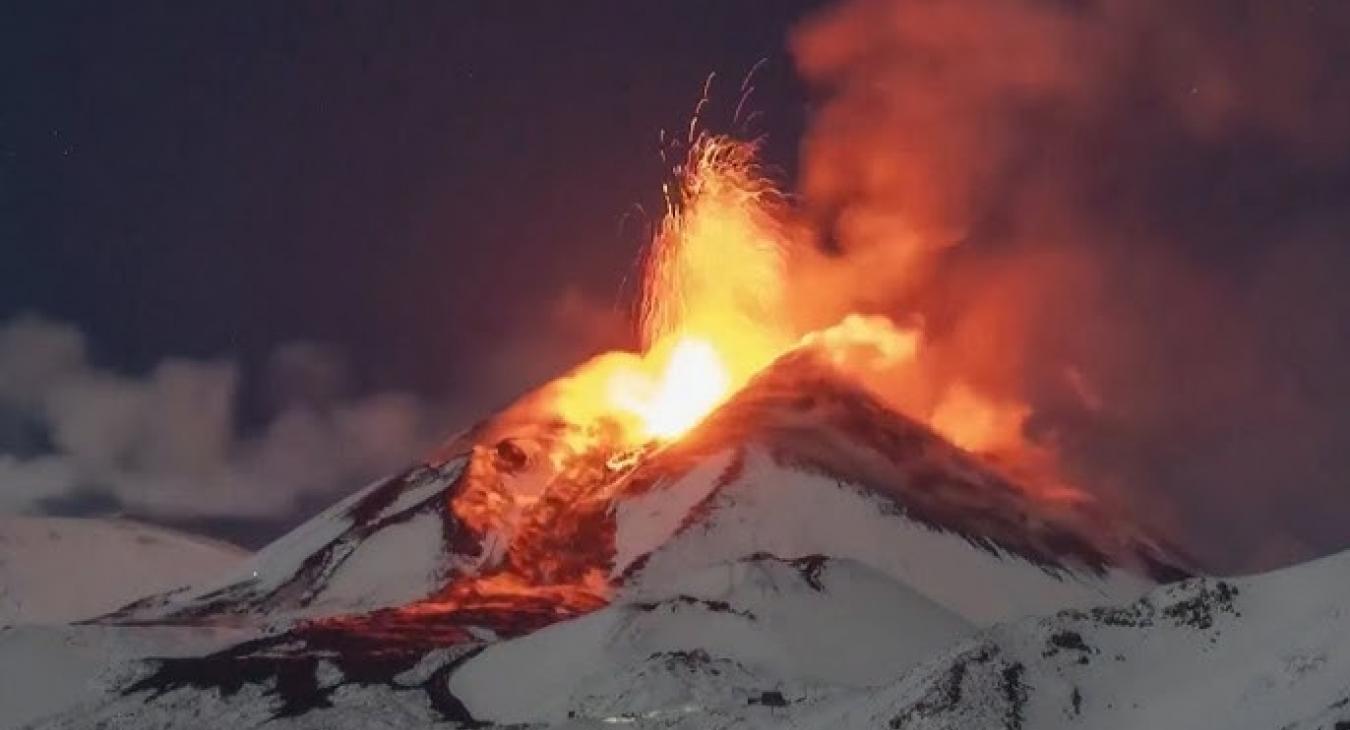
(171, 445)
(166, 445)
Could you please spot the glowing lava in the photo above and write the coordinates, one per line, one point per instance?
(692, 382)
(714, 311)
(712, 302)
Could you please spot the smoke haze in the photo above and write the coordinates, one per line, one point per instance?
(1129, 216)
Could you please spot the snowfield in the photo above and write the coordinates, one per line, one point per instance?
(1270, 651)
(57, 570)
(769, 643)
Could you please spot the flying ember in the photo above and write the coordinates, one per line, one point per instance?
(714, 311)
(711, 307)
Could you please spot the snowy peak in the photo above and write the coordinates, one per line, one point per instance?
(807, 418)
(497, 532)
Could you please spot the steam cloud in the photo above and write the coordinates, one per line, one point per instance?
(1129, 215)
(170, 445)
(166, 446)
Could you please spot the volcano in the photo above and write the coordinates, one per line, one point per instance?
(733, 526)
(490, 536)
(781, 460)
(767, 548)
(804, 556)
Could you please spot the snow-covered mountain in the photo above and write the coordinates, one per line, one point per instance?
(803, 558)
(799, 463)
(55, 570)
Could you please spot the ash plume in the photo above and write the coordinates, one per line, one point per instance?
(1129, 216)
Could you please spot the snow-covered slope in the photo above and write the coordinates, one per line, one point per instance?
(715, 637)
(1271, 651)
(55, 570)
(382, 546)
(791, 513)
(764, 643)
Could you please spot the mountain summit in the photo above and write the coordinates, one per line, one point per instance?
(801, 535)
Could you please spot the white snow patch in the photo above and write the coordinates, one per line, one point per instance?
(646, 521)
(395, 565)
(56, 570)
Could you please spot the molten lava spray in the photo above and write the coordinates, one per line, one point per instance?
(712, 306)
(713, 287)
(715, 310)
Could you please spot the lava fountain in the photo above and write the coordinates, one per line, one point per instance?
(711, 307)
(713, 313)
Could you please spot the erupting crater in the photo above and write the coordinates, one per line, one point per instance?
(566, 500)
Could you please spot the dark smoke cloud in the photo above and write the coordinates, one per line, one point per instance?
(1132, 215)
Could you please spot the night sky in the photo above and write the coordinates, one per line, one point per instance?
(415, 193)
(403, 182)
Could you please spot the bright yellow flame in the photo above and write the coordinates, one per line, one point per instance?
(712, 302)
(691, 383)
(713, 290)
(714, 313)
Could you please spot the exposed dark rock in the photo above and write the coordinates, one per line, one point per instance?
(1067, 640)
(1199, 611)
(1015, 693)
(810, 567)
(714, 606)
(286, 667)
(771, 698)
(510, 457)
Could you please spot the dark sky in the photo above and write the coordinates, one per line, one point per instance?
(403, 181)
